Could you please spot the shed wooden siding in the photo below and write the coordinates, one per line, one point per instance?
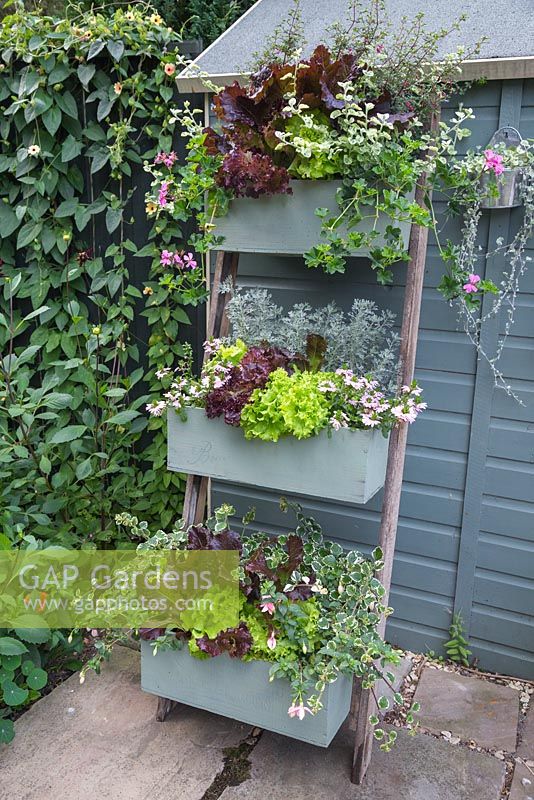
(466, 533)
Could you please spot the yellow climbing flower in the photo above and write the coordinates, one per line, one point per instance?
(151, 208)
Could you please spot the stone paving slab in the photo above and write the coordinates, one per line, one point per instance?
(526, 748)
(469, 707)
(522, 784)
(418, 768)
(101, 740)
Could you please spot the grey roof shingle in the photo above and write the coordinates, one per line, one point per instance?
(507, 24)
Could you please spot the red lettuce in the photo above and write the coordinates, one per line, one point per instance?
(252, 373)
(250, 174)
(202, 538)
(234, 641)
(257, 568)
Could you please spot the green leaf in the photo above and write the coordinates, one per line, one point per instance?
(11, 647)
(71, 149)
(11, 663)
(84, 469)
(8, 220)
(52, 119)
(28, 233)
(34, 635)
(104, 107)
(95, 49)
(37, 679)
(123, 417)
(116, 50)
(45, 465)
(99, 161)
(113, 218)
(67, 104)
(68, 434)
(67, 208)
(7, 731)
(13, 694)
(85, 73)
(58, 400)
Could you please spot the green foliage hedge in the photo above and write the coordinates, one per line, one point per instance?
(81, 106)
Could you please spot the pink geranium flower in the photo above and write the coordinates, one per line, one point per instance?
(189, 261)
(163, 198)
(493, 162)
(472, 284)
(166, 258)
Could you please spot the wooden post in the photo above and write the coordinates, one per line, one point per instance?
(415, 274)
(196, 488)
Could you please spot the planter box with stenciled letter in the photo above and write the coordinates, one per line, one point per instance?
(346, 465)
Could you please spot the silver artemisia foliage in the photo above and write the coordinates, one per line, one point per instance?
(362, 339)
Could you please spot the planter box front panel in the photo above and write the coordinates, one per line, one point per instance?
(242, 691)
(348, 465)
(288, 223)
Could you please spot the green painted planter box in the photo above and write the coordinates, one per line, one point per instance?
(242, 691)
(287, 223)
(348, 465)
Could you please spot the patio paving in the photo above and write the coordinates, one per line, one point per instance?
(101, 740)
(469, 707)
(526, 746)
(522, 784)
(418, 768)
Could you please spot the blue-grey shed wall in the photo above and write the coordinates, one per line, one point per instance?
(466, 533)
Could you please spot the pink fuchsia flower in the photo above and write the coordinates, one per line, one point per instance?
(268, 607)
(163, 193)
(189, 261)
(299, 711)
(166, 258)
(271, 641)
(493, 162)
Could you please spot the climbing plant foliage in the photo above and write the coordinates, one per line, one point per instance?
(83, 102)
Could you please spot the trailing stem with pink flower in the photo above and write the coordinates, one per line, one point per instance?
(474, 184)
(308, 608)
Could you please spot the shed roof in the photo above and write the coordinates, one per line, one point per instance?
(508, 28)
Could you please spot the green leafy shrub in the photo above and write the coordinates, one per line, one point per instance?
(82, 104)
(24, 656)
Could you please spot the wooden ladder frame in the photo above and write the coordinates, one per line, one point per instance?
(363, 703)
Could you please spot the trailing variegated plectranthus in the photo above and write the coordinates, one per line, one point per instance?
(307, 607)
(84, 100)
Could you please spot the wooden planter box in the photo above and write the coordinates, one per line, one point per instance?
(242, 691)
(287, 224)
(348, 465)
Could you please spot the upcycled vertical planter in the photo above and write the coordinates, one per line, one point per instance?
(346, 465)
(242, 691)
(287, 223)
